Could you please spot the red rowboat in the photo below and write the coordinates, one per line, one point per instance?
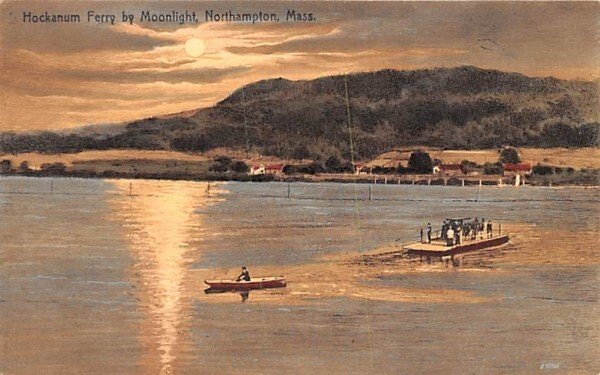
(254, 283)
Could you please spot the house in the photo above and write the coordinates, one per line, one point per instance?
(362, 168)
(520, 169)
(257, 169)
(448, 169)
(276, 169)
(266, 169)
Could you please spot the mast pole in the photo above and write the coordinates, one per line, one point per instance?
(245, 123)
(349, 121)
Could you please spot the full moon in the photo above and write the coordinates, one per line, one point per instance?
(194, 47)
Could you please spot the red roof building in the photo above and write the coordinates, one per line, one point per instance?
(518, 168)
(257, 169)
(274, 168)
(266, 169)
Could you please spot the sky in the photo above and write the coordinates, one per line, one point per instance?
(64, 75)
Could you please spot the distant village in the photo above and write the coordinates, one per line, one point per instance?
(412, 165)
(397, 166)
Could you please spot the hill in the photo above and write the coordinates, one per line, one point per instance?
(452, 108)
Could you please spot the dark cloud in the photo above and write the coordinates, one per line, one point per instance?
(527, 34)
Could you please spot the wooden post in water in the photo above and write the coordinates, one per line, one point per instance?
(289, 190)
(370, 192)
(51, 186)
(130, 188)
(463, 182)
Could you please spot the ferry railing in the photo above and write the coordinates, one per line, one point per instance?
(479, 235)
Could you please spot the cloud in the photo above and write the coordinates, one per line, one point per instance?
(66, 75)
(101, 67)
(149, 75)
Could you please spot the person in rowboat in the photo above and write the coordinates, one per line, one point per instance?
(245, 275)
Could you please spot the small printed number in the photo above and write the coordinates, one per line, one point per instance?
(549, 366)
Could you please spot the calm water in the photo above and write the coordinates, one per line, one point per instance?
(96, 281)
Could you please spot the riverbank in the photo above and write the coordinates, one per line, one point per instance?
(577, 167)
(589, 178)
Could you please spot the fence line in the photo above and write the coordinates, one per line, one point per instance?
(368, 197)
(315, 198)
(368, 193)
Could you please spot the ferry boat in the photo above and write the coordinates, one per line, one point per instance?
(472, 235)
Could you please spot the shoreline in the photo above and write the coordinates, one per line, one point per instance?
(427, 180)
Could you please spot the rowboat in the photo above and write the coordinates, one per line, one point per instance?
(254, 283)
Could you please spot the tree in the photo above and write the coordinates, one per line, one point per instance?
(291, 169)
(420, 162)
(402, 170)
(240, 167)
(347, 167)
(225, 160)
(384, 170)
(53, 167)
(333, 164)
(543, 170)
(24, 166)
(509, 155)
(467, 166)
(493, 168)
(218, 167)
(314, 168)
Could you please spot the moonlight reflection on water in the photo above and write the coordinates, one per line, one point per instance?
(158, 222)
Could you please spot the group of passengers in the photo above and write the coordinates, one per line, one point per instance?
(454, 232)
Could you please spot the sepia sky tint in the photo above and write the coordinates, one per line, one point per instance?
(65, 75)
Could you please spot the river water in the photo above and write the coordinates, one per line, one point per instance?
(105, 277)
